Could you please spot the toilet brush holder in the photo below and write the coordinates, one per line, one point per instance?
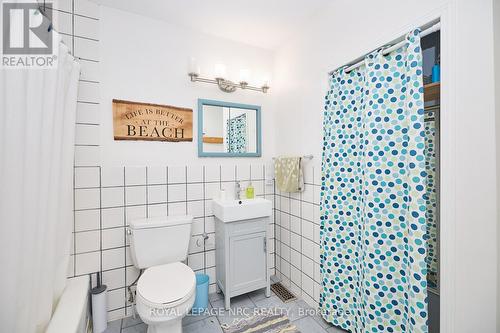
(99, 313)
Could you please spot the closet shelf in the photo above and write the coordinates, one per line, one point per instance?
(432, 91)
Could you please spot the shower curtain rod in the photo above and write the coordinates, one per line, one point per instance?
(386, 49)
(305, 157)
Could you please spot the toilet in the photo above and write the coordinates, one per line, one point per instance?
(166, 290)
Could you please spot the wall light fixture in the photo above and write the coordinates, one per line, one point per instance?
(224, 84)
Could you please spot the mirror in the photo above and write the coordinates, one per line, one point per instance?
(228, 129)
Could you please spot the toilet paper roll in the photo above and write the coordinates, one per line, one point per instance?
(99, 314)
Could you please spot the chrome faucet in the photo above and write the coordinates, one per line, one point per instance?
(238, 190)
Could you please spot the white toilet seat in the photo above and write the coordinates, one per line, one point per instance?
(166, 285)
(165, 294)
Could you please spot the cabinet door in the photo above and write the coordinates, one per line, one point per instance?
(248, 260)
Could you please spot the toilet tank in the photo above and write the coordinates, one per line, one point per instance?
(159, 240)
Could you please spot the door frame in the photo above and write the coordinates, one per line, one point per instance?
(446, 15)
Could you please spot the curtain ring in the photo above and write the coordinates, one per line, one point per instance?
(386, 47)
(340, 69)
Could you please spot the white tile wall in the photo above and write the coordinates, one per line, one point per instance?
(63, 22)
(87, 135)
(61, 5)
(78, 23)
(86, 8)
(86, 27)
(108, 198)
(156, 175)
(297, 238)
(89, 70)
(86, 48)
(87, 156)
(87, 220)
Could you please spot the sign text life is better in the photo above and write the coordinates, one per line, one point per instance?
(151, 122)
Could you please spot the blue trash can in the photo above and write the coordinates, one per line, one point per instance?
(201, 300)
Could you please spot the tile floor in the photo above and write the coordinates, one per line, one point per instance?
(298, 312)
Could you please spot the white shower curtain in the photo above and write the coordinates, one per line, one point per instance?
(37, 128)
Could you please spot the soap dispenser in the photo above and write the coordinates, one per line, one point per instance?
(250, 191)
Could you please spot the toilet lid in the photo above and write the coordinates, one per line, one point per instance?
(166, 283)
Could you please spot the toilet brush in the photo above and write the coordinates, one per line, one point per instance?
(99, 314)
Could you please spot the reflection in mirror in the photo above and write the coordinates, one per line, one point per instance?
(213, 131)
(229, 129)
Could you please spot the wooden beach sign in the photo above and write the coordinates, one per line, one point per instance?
(151, 122)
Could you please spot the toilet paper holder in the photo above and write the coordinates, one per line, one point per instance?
(204, 237)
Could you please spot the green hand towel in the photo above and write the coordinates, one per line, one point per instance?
(289, 175)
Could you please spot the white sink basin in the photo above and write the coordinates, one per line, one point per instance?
(237, 210)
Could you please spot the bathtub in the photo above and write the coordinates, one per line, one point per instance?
(71, 313)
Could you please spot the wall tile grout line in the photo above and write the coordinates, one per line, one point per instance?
(125, 238)
(204, 217)
(88, 81)
(89, 60)
(147, 192)
(88, 102)
(100, 219)
(186, 183)
(114, 215)
(86, 38)
(86, 16)
(74, 224)
(87, 124)
(74, 174)
(157, 184)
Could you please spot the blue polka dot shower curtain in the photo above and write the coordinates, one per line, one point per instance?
(237, 134)
(373, 222)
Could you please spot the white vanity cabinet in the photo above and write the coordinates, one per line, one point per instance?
(241, 251)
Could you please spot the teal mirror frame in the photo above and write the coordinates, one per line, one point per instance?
(256, 108)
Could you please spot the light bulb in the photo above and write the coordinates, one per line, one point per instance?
(244, 75)
(265, 81)
(220, 71)
(193, 66)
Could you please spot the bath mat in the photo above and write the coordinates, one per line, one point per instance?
(262, 323)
